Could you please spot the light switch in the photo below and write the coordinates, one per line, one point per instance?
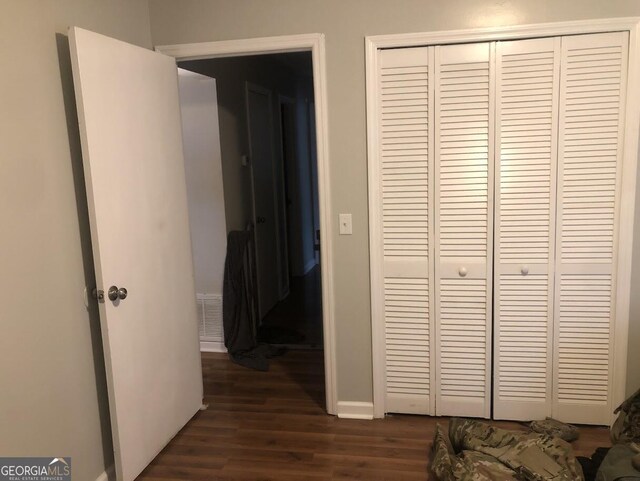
(345, 224)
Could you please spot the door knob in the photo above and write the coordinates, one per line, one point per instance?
(524, 270)
(260, 220)
(117, 293)
(462, 271)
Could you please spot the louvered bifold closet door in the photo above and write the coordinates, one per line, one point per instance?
(405, 146)
(527, 81)
(463, 222)
(592, 97)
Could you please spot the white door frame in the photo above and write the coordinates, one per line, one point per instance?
(315, 44)
(628, 187)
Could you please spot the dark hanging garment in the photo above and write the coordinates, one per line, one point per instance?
(239, 312)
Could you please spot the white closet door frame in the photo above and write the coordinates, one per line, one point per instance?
(629, 168)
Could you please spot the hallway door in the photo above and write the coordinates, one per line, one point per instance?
(129, 118)
(263, 177)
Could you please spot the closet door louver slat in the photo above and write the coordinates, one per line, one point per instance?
(405, 164)
(592, 96)
(527, 80)
(463, 228)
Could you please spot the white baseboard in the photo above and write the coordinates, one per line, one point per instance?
(212, 346)
(355, 410)
(108, 475)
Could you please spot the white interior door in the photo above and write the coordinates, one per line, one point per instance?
(405, 199)
(463, 228)
(527, 80)
(129, 118)
(592, 98)
(266, 219)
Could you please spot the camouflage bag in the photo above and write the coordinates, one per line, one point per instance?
(468, 465)
(532, 457)
(552, 427)
(626, 429)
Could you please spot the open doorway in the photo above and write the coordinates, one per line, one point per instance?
(267, 144)
(297, 320)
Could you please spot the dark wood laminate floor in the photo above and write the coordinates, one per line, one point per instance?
(272, 426)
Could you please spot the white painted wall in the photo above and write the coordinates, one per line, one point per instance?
(203, 166)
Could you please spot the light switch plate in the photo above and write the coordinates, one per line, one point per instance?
(346, 227)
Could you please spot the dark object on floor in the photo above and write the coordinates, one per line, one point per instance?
(635, 461)
(239, 311)
(617, 465)
(626, 429)
(591, 465)
(258, 357)
(477, 451)
(556, 428)
(279, 335)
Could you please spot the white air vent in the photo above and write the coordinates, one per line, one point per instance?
(210, 322)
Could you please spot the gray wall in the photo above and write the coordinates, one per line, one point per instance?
(53, 392)
(345, 24)
(53, 395)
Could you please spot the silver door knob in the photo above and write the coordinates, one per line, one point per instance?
(260, 220)
(117, 293)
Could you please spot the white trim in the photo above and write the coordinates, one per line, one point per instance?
(295, 43)
(375, 231)
(355, 410)
(626, 220)
(243, 47)
(107, 475)
(503, 33)
(212, 346)
(629, 168)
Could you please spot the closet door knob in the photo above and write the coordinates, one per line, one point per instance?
(524, 270)
(462, 271)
